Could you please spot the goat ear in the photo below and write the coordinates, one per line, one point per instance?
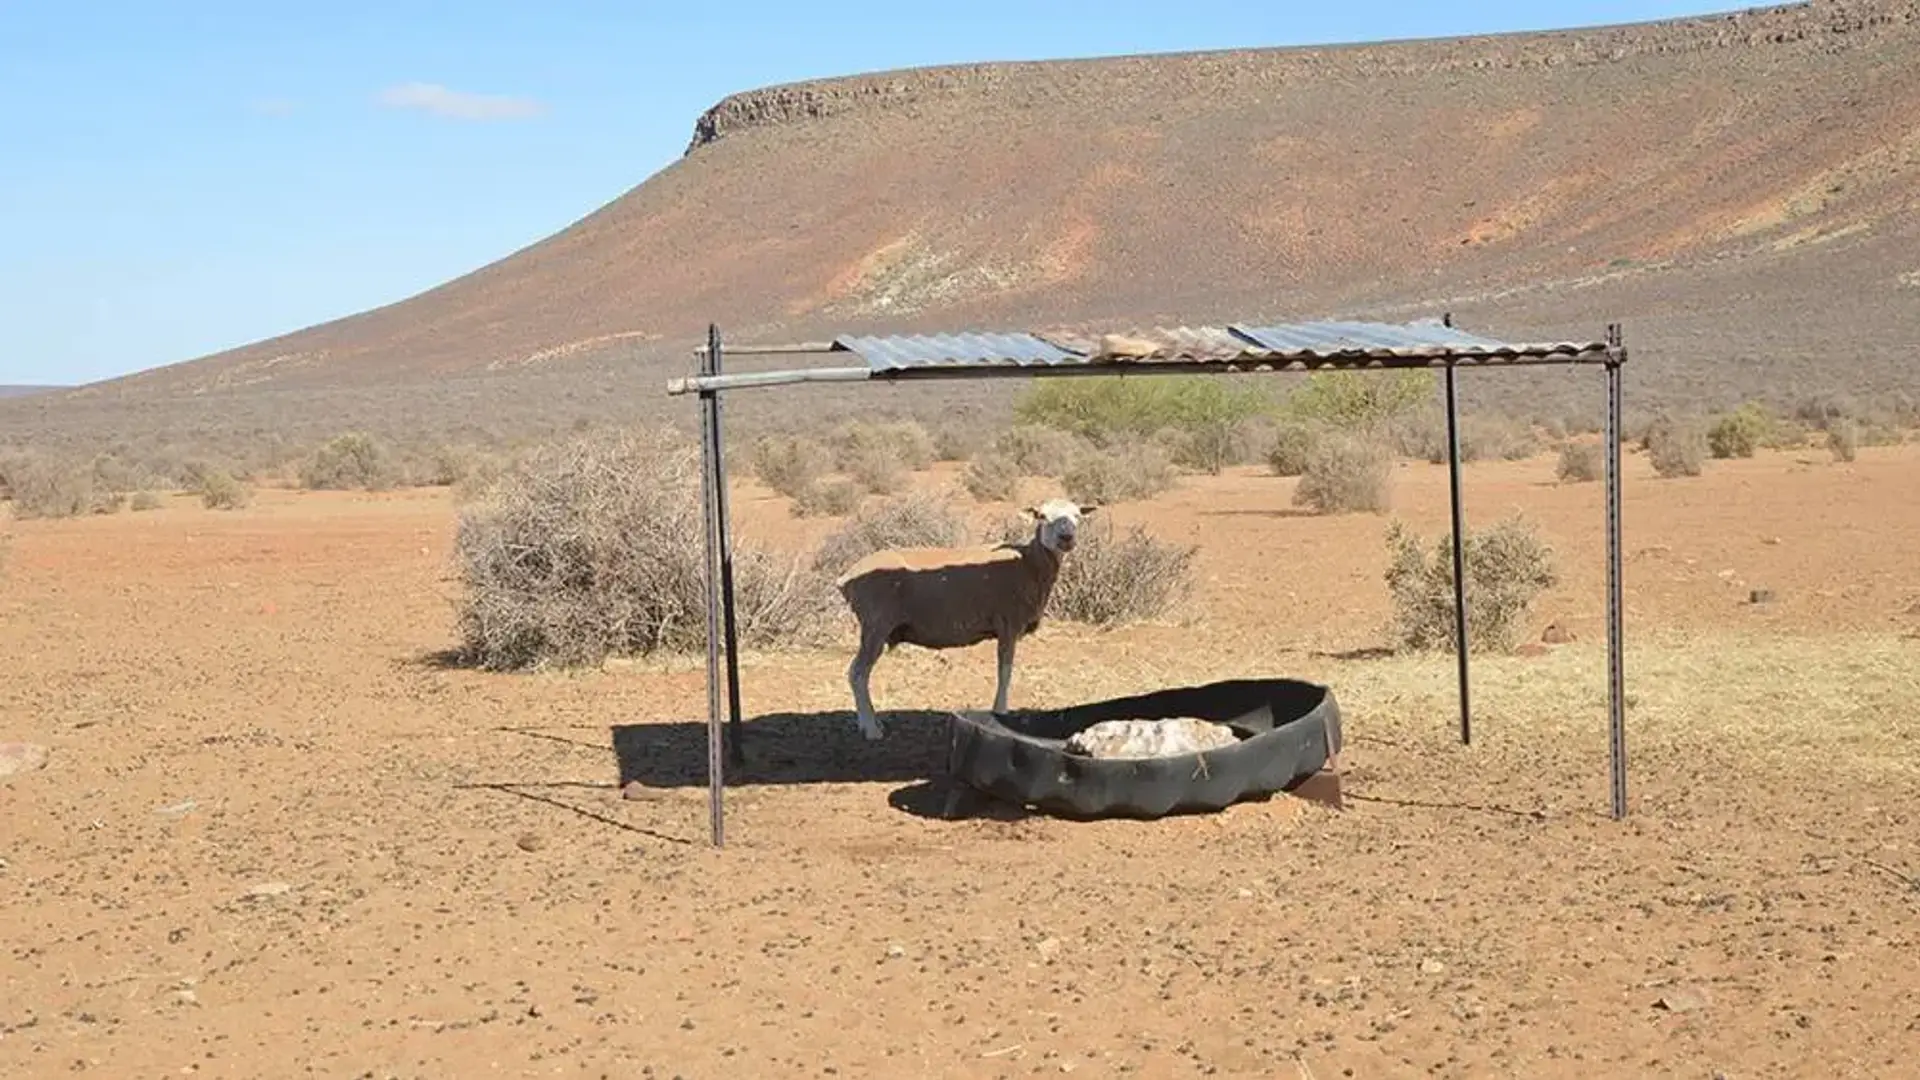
(1034, 513)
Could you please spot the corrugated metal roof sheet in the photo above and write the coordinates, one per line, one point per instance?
(1233, 344)
(1192, 343)
(946, 350)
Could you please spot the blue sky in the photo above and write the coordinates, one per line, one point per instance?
(182, 177)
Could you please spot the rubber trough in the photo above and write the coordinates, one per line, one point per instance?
(1287, 730)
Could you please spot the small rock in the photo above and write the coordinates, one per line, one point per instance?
(1760, 596)
(177, 809)
(1245, 894)
(1555, 634)
(1049, 949)
(896, 951)
(269, 889)
(185, 997)
(531, 841)
(1682, 999)
(21, 757)
(635, 791)
(1433, 967)
(1771, 541)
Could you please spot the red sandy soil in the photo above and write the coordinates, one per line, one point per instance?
(273, 839)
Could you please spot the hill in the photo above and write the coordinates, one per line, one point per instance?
(23, 391)
(1738, 189)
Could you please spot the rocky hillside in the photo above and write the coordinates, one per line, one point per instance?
(1739, 190)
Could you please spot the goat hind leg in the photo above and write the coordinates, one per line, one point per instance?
(871, 646)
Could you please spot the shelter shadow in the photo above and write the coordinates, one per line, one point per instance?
(787, 748)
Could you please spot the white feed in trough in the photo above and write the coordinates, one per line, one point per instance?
(1110, 739)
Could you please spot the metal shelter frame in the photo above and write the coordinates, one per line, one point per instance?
(1300, 347)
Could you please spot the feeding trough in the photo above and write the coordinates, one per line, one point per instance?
(1283, 732)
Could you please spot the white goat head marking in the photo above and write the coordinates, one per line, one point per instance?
(1059, 523)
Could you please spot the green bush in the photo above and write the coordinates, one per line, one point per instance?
(1109, 408)
(1364, 401)
(1740, 433)
(355, 461)
(1507, 567)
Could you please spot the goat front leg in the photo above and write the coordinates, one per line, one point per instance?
(1006, 641)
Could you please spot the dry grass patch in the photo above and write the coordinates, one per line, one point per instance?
(1039, 451)
(790, 465)
(220, 491)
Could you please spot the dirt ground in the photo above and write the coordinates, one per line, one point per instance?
(273, 839)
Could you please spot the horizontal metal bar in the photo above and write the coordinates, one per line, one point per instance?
(760, 379)
(808, 347)
(751, 379)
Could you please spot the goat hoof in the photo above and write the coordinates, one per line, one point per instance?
(872, 730)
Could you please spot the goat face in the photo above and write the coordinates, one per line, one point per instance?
(1059, 522)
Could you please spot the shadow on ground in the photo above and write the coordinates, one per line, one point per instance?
(787, 748)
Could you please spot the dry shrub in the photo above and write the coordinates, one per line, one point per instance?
(1110, 579)
(1825, 409)
(220, 491)
(1292, 445)
(461, 466)
(595, 547)
(1345, 473)
(1843, 439)
(875, 468)
(992, 477)
(789, 464)
(142, 501)
(957, 441)
(355, 461)
(1128, 471)
(904, 442)
(917, 520)
(43, 487)
(1580, 462)
(828, 498)
(1039, 451)
(1676, 446)
(1507, 567)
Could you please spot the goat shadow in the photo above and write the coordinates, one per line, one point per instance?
(787, 748)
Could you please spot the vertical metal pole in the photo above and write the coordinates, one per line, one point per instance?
(726, 557)
(715, 778)
(1616, 679)
(1459, 557)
